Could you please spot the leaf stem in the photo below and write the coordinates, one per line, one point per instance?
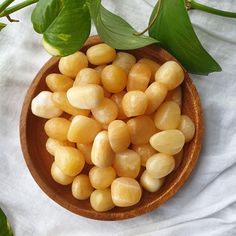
(17, 7)
(152, 22)
(195, 5)
(5, 4)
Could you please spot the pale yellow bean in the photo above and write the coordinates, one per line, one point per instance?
(53, 144)
(134, 103)
(124, 60)
(57, 128)
(83, 129)
(156, 94)
(85, 96)
(58, 82)
(81, 187)
(114, 78)
(141, 128)
(72, 64)
(169, 141)
(101, 200)
(159, 165)
(149, 183)
(127, 163)
(117, 98)
(59, 176)
(106, 112)
(167, 116)
(125, 192)
(70, 160)
(43, 106)
(102, 155)
(154, 66)
(62, 102)
(139, 77)
(170, 74)
(145, 151)
(118, 134)
(101, 178)
(187, 127)
(175, 95)
(101, 54)
(87, 76)
(86, 151)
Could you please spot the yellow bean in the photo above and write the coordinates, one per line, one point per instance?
(145, 151)
(83, 130)
(53, 144)
(86, 151)
(114, 78)
(127, 163)
(101, 201)
(101, 178)
(169, 141)
(57, 128)
(125, 61)
(102, 154)
(149, 183)
(101, 54)
(61, 101)
(59, 176)
(139, 77)
(170, 74)
(175, 95)
(117, 98)
(156, 94)
(70, 160)
(87, 76)
(159, 165)
(59, 83)
(187, 127)
(72, 64)
(118, 134)
(106, 112)
(81, 187)
(141, 128)
(99, 69)
(85, 96)
(167, 116)
(154, 66)
(134, 103)
(125, 192)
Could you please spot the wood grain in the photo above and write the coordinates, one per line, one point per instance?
(33, 141)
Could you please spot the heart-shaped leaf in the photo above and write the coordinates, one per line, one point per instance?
(114, 30)
(65, 25)
(174, 30)
(5, 228)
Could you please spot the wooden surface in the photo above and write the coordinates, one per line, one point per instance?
(39, 162)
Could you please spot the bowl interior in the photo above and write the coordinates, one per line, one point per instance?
(33, 139)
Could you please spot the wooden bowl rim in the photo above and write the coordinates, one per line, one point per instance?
(177, 184)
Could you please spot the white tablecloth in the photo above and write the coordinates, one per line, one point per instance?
(205, 206)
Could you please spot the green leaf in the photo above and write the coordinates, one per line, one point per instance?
(65, 25)
(2, 25)
(114, 30)
(5, 228)
(174, 30)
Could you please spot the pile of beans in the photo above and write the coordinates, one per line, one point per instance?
(124, 114)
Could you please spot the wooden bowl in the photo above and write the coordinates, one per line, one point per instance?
(33, 139)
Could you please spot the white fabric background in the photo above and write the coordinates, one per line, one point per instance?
(205, 206)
